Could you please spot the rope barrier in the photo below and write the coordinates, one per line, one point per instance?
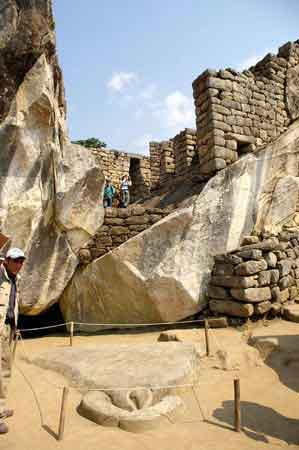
(132, 325)
(44, 328)
(193, 386)
(120, 325)
(116, 388)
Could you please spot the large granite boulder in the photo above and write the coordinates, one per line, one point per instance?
(162, 274)
(49, 189)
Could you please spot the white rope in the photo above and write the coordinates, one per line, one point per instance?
(44, 328)
(127, 325)
(138, 324)
(132, 388)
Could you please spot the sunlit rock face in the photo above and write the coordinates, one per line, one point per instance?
(162, 274)
(49, 189)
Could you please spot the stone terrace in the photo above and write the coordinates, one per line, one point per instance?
(119, 226)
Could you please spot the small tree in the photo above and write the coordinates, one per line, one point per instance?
(91, 143)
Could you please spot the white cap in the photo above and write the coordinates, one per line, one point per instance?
(15, 253)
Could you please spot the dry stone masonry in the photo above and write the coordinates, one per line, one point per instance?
(238, 112)
(168, 160)
(155, 161)
(167, 165)
(172, 159)
(184, 145)
(115, 165)
(261, 276)
(119, 226)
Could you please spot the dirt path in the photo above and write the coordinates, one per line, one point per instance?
(270, 405)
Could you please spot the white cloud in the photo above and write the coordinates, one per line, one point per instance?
(148, 92)
(254, 59)
(176, 111)
(120, 80)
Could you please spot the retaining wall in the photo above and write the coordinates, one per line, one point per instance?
(260, 277)
(120, 224)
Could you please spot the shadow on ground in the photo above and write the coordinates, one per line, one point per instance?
(260, 422)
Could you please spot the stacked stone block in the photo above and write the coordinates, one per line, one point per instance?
(238, 112)
(114, 164)
(184, 146)
(119, 226)
(167, 165)
(155, 161)
(259, 277)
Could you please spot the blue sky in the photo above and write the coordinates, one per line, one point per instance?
(129, 64)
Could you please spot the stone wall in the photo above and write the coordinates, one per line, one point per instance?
(119, 226)
(238, 112)
(262, 276)
(184, 145)
(167, 165)
(155, 160)
(115, 164)
(173, 158)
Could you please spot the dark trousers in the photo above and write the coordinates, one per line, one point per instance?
(108, 202)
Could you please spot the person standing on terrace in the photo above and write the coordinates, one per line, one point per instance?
(124, 191)
(109, 193)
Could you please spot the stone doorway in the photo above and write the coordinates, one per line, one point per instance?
(138, 188)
